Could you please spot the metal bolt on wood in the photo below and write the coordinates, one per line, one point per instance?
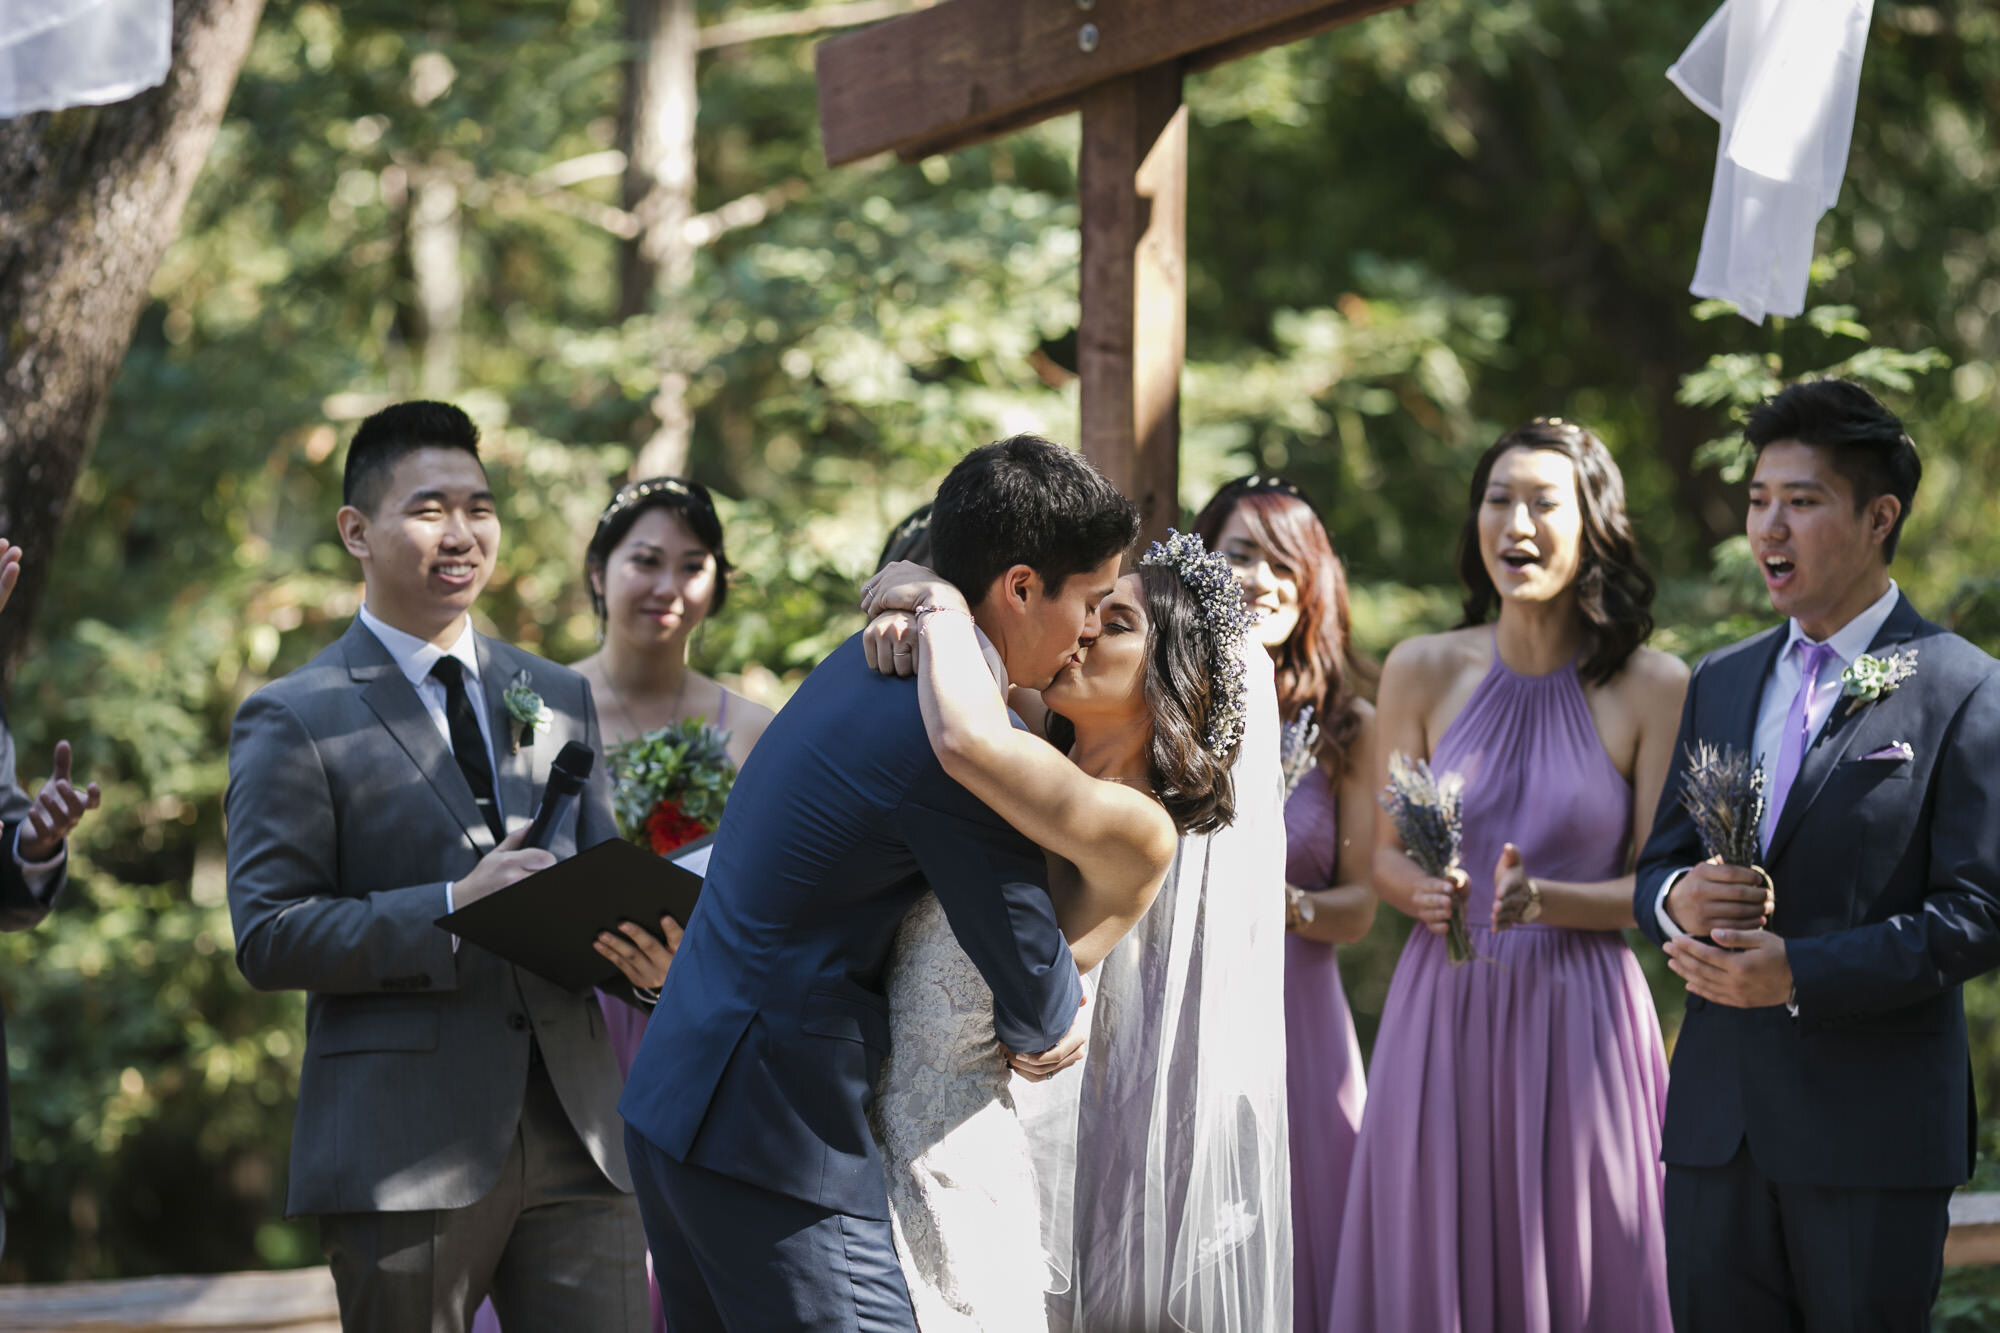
(1086, 38)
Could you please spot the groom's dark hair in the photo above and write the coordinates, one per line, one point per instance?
(1026, 501)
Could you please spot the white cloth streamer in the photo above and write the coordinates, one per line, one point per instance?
(1782, 78)
(62, 53)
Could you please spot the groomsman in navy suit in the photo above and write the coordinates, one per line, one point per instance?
(1821, 1107)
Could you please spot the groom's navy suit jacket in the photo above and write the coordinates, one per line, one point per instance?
(1887, 871)
(760, 1061)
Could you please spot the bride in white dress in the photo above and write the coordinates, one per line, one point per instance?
(1150, 717)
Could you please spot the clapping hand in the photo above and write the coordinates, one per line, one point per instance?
(10, 570)
(1513, 890)
(59, 807)
(1436, 898)
(642, 956)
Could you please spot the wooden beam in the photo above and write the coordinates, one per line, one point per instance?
(967, 70)
(1132, 180)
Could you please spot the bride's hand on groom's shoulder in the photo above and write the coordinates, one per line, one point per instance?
(889, 644)
(902, 586)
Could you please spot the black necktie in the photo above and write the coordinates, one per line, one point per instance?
(468, 745)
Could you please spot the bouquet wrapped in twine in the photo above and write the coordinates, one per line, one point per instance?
(668, 786)
(1723, 793)
(1426, 811)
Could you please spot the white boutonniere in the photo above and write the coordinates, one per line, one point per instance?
(526, 709)
(1869, 677)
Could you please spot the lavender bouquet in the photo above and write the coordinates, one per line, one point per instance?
(1425, 809)
(1723, 793)
(1298, 748)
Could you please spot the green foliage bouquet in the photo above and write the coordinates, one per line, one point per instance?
(668, 786)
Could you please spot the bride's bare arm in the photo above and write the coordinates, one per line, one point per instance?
(1119, 840)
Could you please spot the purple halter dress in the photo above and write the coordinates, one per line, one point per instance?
(1324, 1087)
(1508, 1175)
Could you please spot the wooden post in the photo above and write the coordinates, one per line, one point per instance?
(1132, 179)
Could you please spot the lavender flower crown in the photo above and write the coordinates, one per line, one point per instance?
(1207, 576)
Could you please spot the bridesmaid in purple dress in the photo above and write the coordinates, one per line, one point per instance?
(1508, 1175)
(1297, 592)
(657, 570)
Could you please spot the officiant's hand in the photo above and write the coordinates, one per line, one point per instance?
(640, 954)
(1059, 1057)
(1714, 896)
(1435, 899)
(1744, 969)
(508, 863)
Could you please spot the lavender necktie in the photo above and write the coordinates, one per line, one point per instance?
(1798, 731)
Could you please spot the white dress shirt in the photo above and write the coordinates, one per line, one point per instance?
(1848, 642)
(414, 658)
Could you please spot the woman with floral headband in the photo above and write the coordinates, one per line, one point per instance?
(1508, 1175)
(1147, 721)
(1295, 588)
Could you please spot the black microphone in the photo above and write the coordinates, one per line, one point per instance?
(566, 778)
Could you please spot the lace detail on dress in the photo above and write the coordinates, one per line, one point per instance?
(962, 1198)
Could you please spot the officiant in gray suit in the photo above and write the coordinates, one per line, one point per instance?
(457, 1132)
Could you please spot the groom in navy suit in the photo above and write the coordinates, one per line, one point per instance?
(746, 1107)
(1821, 1110)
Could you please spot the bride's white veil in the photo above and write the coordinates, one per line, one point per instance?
(1164, 1160)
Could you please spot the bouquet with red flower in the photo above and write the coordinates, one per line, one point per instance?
(667, 786)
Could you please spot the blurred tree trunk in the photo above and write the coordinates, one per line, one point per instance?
(658, 268)
(89, 200)
(438, 277)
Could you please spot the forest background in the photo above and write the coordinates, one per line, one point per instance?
(1404, 237)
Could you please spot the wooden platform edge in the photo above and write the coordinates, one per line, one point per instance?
(1974, 1238)
(294, 1301)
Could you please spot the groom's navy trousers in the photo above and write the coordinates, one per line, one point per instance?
(748, 1101)
(768, 1260)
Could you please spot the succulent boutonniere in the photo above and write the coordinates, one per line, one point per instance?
(1871, 677)
(526, 709)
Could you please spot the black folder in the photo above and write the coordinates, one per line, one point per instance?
(549, 921)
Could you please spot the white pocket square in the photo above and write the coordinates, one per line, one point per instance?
(1897, 751)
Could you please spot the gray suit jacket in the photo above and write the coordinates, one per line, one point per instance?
(20, 906)
(347, 817)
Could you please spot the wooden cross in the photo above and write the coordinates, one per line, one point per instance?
(969, 70)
